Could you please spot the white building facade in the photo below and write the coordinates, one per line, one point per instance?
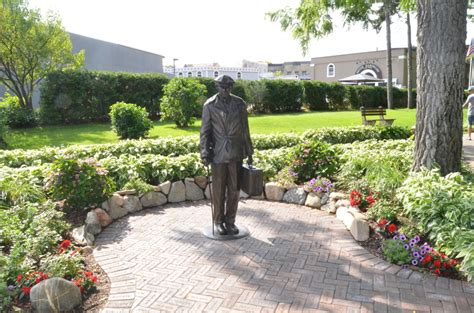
(214, 71)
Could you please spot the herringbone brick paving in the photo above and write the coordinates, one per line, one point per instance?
(296, 260)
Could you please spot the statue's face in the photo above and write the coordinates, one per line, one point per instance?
(224, 90)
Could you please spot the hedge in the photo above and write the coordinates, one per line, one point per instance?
(190, 144)
(283, 96)
(85, 96)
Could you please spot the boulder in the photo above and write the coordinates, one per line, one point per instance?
(82, 237)
(313, 200)
(193, 191)
(165, 187)
(92, 223)
(157, 188)
(132, 203)
(152, 199)
(177, 192)
(359, 229)
(329, 207)
(55, 295)
(324, 198)
(295, 195)
(116, 211)
(343, 202)
(274, 192)
(201, 181)
(337, 196)
(105, 205)
(104, 218)
(115, 201)
(127, 192)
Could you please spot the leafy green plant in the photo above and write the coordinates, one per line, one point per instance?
(129, 121)
(182, 101)
(286, 178)
(394, 252)
(3, 129)
(79, 182)
(384, 208)
(17, 116)
(314, 158)
(139, 185)
(66, 265)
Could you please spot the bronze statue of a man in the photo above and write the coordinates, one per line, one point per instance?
(225, 142)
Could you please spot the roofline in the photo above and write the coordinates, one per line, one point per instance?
(114, 43)
(339, 55)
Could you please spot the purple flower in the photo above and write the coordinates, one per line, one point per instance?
(414, 262)
(395, 237)
(417, 239)
(412, 244)
(403, 237)
(416, 254)
(406, 246)
(412, 241)
(420, 258)
(11, 287)
(422, 251)
(430, 249)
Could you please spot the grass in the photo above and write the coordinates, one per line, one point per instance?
(38, 137)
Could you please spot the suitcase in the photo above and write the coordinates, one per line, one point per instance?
(252, 180)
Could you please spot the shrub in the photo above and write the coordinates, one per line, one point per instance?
(182, 101)
(335, 96)
(394, 252)
(314, 158)
(3, 129)
(336, 135)
(17, 117)
(78, 182)
(256, 93)
(129, 121)
(283, 96)
(315, 95)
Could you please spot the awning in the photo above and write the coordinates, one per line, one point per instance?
(361, 78)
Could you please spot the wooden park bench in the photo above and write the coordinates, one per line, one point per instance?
(380, 112)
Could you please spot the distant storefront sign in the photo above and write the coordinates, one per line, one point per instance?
(369, 69)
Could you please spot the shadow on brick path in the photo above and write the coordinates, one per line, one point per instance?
(296, 259)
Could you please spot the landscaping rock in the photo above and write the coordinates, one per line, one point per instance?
(152, 199)
(132, 204)
(104, 218)
(92, 223)
(337, 196)
(105, 205)
(274, 192)
(116, 212)
(82, 237)
(165, 187)
(157, 188)
(313, 200)
(177, 192)
(360, 229)
(127, 192)
(295, 195)
(193, 191)
(115, 201)
(201, 181)
(324, 199)
(343, 202)
(55, 295)
(207, 192)
(329, 207)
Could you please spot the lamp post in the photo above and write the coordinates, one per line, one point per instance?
(174, 67)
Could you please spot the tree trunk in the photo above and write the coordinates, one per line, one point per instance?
(389, 54)
(409, 65)
(440, 57)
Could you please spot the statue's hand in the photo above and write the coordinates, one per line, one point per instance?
(250, 160)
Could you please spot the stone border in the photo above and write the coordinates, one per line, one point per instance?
(126, 202)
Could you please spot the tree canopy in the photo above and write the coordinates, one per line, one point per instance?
(31, 47)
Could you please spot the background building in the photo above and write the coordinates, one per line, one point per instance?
(107, 56)
(297, 69)
(374, 63)
(214, 70)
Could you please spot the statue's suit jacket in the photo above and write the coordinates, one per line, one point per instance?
(225, 133)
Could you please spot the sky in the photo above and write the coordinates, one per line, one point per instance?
(212, 31)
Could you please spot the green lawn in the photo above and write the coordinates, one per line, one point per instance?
(261, 124)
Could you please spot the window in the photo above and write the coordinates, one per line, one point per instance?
(190, 74)
(239, 75)
(288, 73)
(331, 70)
(297, 72)
(199, 74)
(180, 74)
(216, 73)
(304, 73)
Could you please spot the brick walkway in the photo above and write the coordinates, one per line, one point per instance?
(296, 260)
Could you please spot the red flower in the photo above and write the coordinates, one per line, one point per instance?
(382, 222)
(26, 290)
(81, 289)
(94, 279)
(437, 271)
(65, 244)
(19, 278)
(37, 280)
(370, 200)
(392, 228)
(437, 263)
(88, 274)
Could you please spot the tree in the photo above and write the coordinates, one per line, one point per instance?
(312, 18)
(440, 79)
(408, 6)
(31, 47)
